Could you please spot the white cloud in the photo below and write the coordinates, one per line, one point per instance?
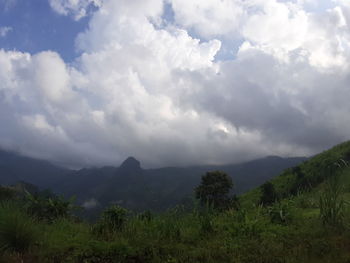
(75, 8)
(209, 18)
(157, 93)
(277, 27)
(4, 31)
(283, 29)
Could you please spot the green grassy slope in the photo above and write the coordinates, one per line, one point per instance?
(311, 173)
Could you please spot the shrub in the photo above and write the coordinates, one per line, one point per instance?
(17, 230)
(112, 220)
(115, 217)
(280, 213)
(49, 209)
(332, 205)
(205, 217)
(169, 229)
(206, 223)
(145, 216)
(268, 195)
(247, 224)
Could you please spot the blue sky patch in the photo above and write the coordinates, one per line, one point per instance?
(36, 27)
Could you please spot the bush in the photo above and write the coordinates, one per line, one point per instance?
(206, 223)
(280, 213)
(332, 205)
(49, 209)
(268, 194)
(145, 216)
(17, 230)
(113, 219)
(247, 224)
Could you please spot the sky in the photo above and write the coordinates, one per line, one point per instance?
(173, 82)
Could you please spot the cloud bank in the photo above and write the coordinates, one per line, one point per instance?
(152, 87)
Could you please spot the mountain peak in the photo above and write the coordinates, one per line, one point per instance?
(130, 165)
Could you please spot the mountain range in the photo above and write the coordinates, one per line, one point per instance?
(130, 185)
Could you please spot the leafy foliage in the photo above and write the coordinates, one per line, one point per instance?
(49, 208)
(269, 195)
(280, 213)
(113, 219)
(214, 189)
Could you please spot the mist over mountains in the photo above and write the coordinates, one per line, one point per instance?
(129, 184)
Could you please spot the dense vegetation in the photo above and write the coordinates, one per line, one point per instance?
(300, 216)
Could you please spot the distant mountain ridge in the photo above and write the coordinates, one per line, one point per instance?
(132, 186)
(15, 168)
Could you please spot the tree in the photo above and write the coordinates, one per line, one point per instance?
(269, 195)
(214, 189)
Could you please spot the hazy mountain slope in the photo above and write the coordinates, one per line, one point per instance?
(130, 185)
(14, 168)
(158, 189)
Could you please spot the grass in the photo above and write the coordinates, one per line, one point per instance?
(18, 232)
(244, 236)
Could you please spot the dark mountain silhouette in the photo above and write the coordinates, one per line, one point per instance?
(158, 189)
(131, 186)
(130, 167)
(15, 168)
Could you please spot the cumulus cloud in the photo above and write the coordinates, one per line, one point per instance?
(75, 8)
(209, 18)
(148, 88)
(284, 28)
